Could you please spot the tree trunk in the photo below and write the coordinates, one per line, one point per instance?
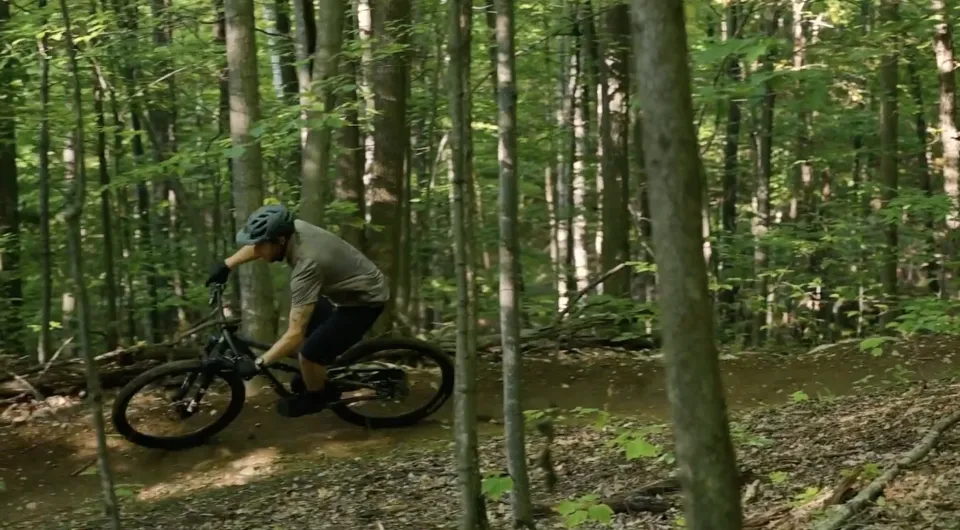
(106, 217)
(472, 510)
(349, 184)
(390, 26)
(615, 71)
(509, 266)
(943, 48)
(888, 151)
(923, 159)
(802, 193)
(44, 348)
(74, 217)
(582, 150)
(306, 42)
(257, 302)
(364, 9)
(314, 177)
(11, 286)
(705, 457)
(731, 163)
(763, 139)
(569, 67)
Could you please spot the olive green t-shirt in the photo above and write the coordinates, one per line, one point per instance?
(324, 264)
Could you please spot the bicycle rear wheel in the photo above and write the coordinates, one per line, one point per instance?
(393, 369)
(163, 395)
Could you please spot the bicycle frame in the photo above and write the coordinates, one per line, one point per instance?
(226, 339)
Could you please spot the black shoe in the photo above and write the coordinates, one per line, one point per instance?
(305, 403)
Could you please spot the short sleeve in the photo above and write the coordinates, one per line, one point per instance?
(305, 283)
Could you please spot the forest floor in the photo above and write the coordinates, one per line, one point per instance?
(799, 422)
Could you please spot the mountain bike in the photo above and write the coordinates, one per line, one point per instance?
(379, 372)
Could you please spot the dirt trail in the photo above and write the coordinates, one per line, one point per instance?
(45, 464)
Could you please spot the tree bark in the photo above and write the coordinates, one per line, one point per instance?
(257, 302)
(615, 70)
(707, 467)
(946, 73)
(583, 156)
(763, 139)
(74, 218)
(106, 217)
(509, 266)
(391, 27)
(44, 347)
(472, 510)
(923, 158)
(731, 162)
(314, 178)
(569, 67)
(11, 286)
(349, 184)
(888, 150)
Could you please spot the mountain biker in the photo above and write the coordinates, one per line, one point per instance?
(336, 295)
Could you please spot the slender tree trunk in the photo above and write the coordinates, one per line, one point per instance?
(314, 177)
(74, 219)
(731, 162)
(106, 217)
(509, 269)
(368, 105)
(43, 147)
(472, 510)
(923, 158)
(946, 68)
(569, 67)
(391, 133)
(800, 201)
(349, 184)
(257, 302)
(306, 42)
(582, 149)
(888, 147)
(286, 50)
(705, 458)
(11, 286)
(763, 138)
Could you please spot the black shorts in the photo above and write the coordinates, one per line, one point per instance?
(333, 329)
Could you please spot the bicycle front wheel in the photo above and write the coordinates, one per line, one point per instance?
(151, 410)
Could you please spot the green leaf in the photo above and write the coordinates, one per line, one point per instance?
(600, 513)
(567, 507)
(779, 477)
(640, 448)
(799, 396)
(494, 487)
(577, 518)
(871, 343)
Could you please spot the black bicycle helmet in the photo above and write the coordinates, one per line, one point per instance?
(266, 224)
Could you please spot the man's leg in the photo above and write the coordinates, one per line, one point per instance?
(337, 334)
(314, 374)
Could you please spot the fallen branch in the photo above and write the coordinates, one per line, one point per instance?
(841, 514)
(590, 286)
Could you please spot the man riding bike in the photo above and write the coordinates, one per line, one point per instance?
(336, 295)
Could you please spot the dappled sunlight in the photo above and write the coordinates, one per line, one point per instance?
(255, 465)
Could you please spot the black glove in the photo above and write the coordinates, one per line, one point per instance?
(248, 368)
(219, 273)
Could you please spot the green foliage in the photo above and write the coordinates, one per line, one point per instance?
(495, 486)
(584, 509)
(778, 477)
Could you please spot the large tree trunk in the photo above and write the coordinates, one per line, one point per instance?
(390, 26)
(11, 286)
(509, 266)
(257, 303)
(472, 511)
(705, 457)
(946, 69)
(314, 176)
(74, 218)
(888, 151)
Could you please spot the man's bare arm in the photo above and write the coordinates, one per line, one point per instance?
(244, 255)
(296, 331)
